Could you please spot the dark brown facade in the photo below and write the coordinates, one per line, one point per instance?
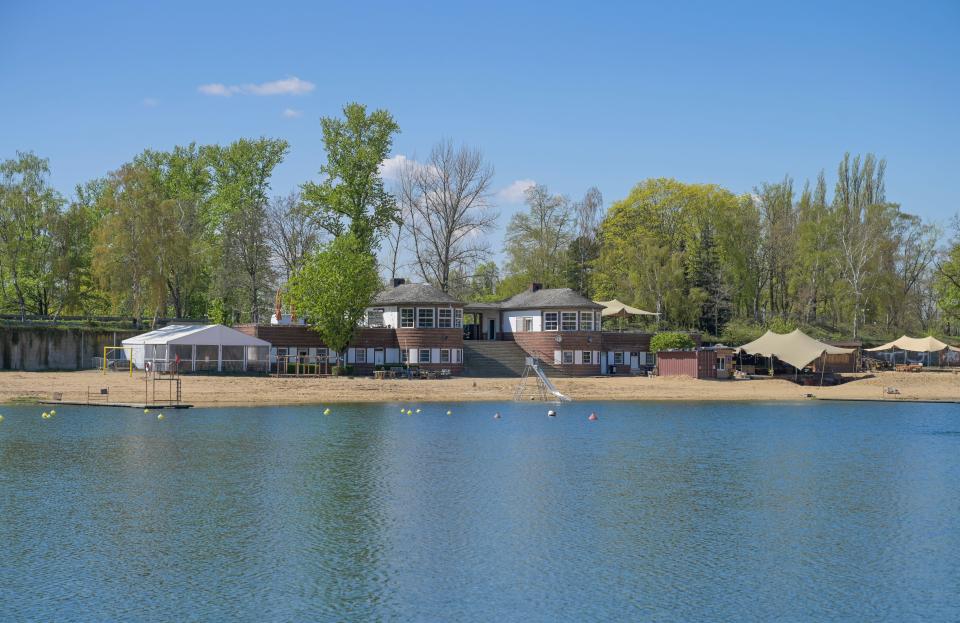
(573, 345)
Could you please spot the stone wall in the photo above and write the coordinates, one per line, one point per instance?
(48, 348)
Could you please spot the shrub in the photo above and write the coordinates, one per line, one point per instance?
(341, 370)
(671, 341)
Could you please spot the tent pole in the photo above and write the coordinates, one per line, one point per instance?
(822, 366)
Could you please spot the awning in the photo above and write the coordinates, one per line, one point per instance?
(796, 348)
(927, 344)
(616, 308)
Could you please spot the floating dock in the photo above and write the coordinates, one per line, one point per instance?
(123, 405)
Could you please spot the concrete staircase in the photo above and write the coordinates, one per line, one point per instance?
(493, 359)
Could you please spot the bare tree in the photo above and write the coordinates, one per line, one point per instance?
(585, 248)
(291, 233)
(446, 200)
(394, 238)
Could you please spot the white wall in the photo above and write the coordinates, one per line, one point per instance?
(512, 322)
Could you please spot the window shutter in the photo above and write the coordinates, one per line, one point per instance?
(596, 357)
(435, 355)
(414, 356)
(578, 356)
(351, 355)
(557, 357)
(370, 355)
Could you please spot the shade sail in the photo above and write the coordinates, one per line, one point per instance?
(616, 308)
(927, 344)
(796, 348)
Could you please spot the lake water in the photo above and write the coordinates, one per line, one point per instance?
(664, 512)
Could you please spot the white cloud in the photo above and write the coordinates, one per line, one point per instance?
(287, 86)
(391, 167)
(290, 113)
(150, 102)
(515, 192)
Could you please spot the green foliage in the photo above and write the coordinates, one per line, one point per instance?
(671, 340)
(218, 313)
(537, 240)
(351, 197)
(334, 288)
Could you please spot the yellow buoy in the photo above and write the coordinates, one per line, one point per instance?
(1, 418)
(159, 416)
(326, 411)
(52, 412)
(449, 412)
(45, 416)
(409, 412)
(146, 410)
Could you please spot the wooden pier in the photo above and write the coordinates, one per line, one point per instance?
(129, 405)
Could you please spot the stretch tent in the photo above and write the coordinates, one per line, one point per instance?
(616, 308)
(210, 347)
(927, 344)
(796, 348)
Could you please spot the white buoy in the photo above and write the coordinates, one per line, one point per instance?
(52, 413)
(418, 410)
(326, 411)
(146, 410)
(551, 413)
(159, 416)
(496, 415)
(449, 412)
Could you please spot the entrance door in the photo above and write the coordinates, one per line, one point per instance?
(634, 361)
(493, 325)
(378, 356)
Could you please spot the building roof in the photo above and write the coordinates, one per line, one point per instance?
(415, 293)
(548, 298)
(204, 334)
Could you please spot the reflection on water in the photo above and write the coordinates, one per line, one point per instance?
(655, 512)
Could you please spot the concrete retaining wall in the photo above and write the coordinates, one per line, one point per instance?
(43, 348)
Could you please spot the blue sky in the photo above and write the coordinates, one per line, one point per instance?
(567, 94)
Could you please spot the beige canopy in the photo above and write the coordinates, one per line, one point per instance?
(927, 344)
(616, 308)
(796, 348)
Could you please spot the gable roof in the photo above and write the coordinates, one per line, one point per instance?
(548, 298)
(422, 293)
(208, 334)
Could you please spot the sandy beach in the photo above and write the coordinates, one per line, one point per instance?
(233, 391)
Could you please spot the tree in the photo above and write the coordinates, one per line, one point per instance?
(535, 239)
(447, 200)
(352, 197)
(241, 173)
(670, 341)
(29, 208)
(74, 283)
(584, 249)
(334, 287)
(291, 233)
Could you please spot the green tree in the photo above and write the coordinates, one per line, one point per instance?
(670, 340)
(29, 209)
(241, 176)
(351, 198)
(334, 287)
(536, 241)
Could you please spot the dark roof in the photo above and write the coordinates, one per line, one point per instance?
(415, 293)
(546, 299)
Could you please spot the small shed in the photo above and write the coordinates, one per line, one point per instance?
(199, 347)
(701, 363)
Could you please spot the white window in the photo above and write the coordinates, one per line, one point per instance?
(567, 356)
(568, 321)
(587, 357)
(375, 317)
(444, 355)
(322, 354)
(458, 318)
(406, 318)
(425, 317)
(586, 321)
(445, 318)
(424, 355)
(721, 363)
(359, 355)
(550, 321)
(526, 324)
(618, 358)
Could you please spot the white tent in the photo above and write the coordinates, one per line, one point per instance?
(211, 347)
(925, 345)
(796, 348)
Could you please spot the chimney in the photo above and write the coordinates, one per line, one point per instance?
(535, 286)
(398, 281)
